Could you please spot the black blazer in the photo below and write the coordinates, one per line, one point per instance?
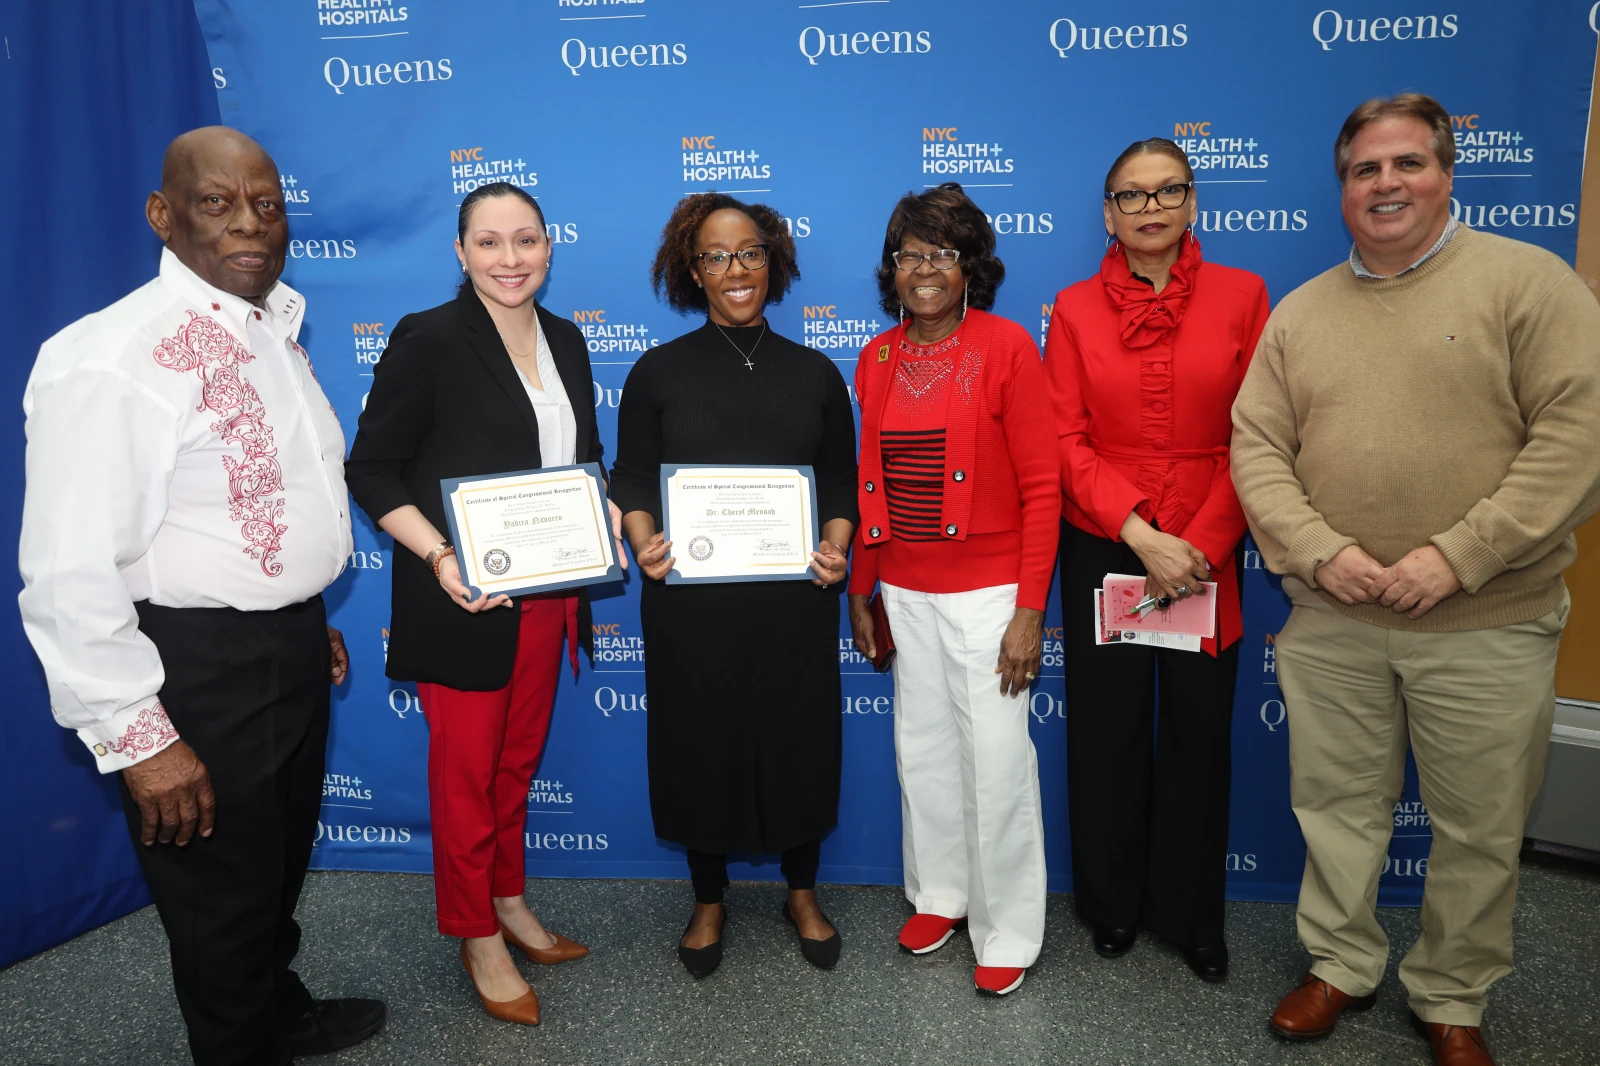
(446, 402)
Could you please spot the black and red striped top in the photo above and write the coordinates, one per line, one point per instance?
(913, 481)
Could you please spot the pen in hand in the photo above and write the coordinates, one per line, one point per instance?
(1148, 602)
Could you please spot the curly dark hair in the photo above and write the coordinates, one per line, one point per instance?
(669, 274)
(946, 217)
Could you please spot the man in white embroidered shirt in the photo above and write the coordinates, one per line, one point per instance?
(185, 508)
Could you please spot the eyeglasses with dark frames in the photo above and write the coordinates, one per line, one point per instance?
(718, 261)
(943, 259)
(1133, 201)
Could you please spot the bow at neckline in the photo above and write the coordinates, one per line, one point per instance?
(1146, 315)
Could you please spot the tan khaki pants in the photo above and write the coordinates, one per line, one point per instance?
(1476, 708)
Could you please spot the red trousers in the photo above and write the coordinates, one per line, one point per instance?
(482, 751)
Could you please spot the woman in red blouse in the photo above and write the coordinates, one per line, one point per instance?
(959, 522)
(1143, 361)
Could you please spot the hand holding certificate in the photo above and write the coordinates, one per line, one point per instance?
(532, 530)
(739, 523)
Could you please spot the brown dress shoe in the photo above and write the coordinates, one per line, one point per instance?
(1311, 1010)
(524, 1010)
(1454, 1045)
(563, 950)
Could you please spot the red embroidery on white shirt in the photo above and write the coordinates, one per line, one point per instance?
(204, 345)
(149, 730)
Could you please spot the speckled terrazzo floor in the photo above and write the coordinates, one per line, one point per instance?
(106, 998)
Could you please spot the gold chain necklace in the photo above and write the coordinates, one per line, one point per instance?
(513, 351)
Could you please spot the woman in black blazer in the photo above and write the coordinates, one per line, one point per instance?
(486, 383)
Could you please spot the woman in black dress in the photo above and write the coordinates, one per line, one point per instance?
(743, 678)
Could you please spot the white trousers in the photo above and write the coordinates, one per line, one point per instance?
(971, 828)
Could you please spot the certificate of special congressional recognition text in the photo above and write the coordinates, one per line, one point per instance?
(739, 523)
(531, 530)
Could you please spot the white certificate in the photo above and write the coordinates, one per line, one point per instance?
(532, 530)
(739, 523)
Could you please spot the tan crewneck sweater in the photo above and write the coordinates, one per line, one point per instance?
(1457, 403)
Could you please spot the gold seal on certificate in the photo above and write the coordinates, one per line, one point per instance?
(739, 523)
(531, 530)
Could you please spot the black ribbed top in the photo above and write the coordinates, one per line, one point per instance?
(693, 400)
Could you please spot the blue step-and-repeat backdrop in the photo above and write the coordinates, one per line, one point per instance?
(382, 114)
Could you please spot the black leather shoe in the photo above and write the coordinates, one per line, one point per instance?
(1208, 963)
(823, 954)
(702, 962)
(1110, 942)
(332, 1024)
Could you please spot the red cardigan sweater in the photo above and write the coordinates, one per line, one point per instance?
(1001, 468)
(1143, 386)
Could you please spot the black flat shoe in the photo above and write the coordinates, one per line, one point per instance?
(823, 954)
(1208, 963)
(332, 1024)
(702, 962)
(1109, 942)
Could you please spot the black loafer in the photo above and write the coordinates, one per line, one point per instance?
(1208, 963)
(332, 1024)
(702, 962)
(823, 954)
(1110, 941)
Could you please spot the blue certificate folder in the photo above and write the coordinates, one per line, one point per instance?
(449, 485)
(674, 577)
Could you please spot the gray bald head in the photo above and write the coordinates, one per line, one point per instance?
(194, 151)
(220, 210)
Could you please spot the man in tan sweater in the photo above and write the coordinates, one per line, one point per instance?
(1415, 442)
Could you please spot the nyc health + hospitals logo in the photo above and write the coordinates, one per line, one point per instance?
(473, 166)
(978, 161)
(1232, 179)
(1495, 163)
(712, 162)
(828, 329)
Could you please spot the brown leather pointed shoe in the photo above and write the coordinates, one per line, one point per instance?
(524, 1010)
(563, 950)
(1454, 1045)
(1312, 1010)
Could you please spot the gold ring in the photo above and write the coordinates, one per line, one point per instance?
(1030, 677)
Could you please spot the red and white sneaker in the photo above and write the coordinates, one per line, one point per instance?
(923, 933)
(998, 980)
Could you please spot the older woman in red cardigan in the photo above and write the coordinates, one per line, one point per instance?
(1144, 360)
(959, 520)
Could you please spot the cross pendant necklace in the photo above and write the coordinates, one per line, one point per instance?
(742, 353)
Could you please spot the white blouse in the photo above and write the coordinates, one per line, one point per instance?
(558, 427)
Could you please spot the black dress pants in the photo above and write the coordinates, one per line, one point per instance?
(709, 873)
(1148, 793)
(248, 691)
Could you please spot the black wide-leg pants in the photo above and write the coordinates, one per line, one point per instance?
(1148, 793)
(248, 691)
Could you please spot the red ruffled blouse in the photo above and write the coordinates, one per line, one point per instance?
(1143, 385)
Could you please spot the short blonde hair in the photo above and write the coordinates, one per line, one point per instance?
(1407, 105)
